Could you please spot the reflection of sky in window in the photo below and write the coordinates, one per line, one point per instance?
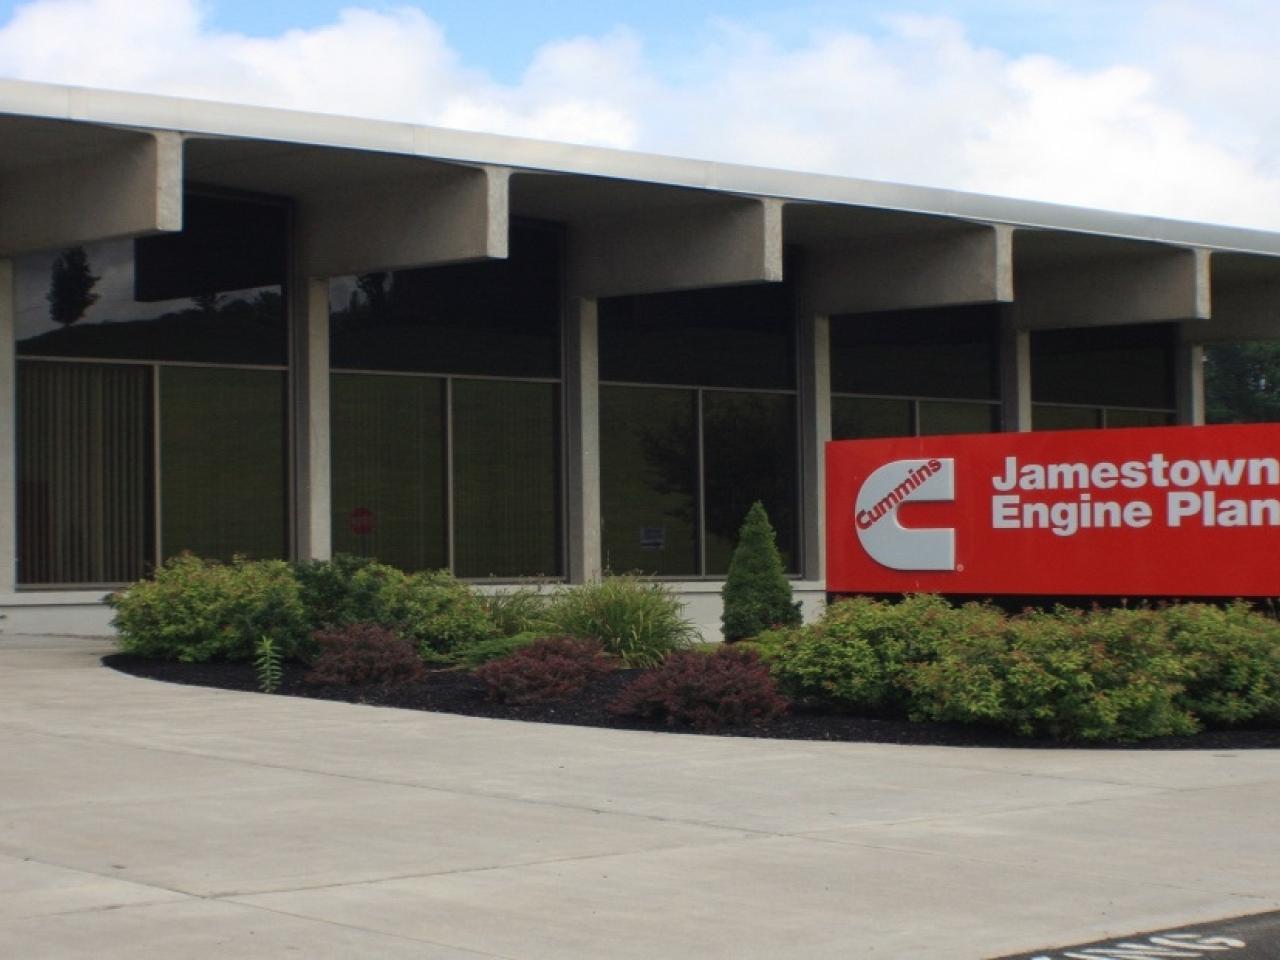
(111, 261)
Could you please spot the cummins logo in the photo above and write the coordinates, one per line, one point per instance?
(875, 515)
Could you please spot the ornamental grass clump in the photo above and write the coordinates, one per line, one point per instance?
(757, 593)
(636, 621)
(705, 691)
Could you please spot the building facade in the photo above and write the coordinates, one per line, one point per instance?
(241, 331)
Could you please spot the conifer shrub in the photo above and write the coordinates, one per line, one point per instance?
(757, 593)
(480, 652)
(550, 669)
(359, 654)
(638, 622)
(197, 610)
(705, 691)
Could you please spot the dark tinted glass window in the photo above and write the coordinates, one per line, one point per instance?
(749, 447)
(649, 480)
(387, 437)
(939, 417)
(947, 352)
(491, 318)
(1046, 417)
(723, 337)
(211, 294)
(857, 418)
(223, 462)
(506, 468)
(84, 471)
(1129, 366)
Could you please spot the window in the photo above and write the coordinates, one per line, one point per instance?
(915, 373)
(151, 400)
(1102, 377)
(697, 421)
(445, 413)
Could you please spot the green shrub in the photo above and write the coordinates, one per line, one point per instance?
(434, 609)
(729, 687)
(359, 654)
(472, 655)
(197, 610)
(550, 669)
(1231, 659)
(639, 622)
(518, 610)
(331, 593)
(856, 654)
(757, 593)
(1069, 674)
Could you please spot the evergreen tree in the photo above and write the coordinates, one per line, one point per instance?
(71, 287)
(757, 594)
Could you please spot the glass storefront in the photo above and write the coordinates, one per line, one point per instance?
(915, 373)
(1119, 376)
(445, 413)
(697, 421)
(151, 402)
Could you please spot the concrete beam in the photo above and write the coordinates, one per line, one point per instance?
(1115, 283)
(1246, 301)
(912, 270)
(8, 433)
(582, 439)
(405, 223)
(681, 248)
(129, 189)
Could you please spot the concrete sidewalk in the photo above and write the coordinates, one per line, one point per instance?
(144, 820)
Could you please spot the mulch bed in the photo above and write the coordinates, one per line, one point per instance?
(453, 691)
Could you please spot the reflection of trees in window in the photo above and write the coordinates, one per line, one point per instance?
(1242, 382)
(71, 287)
(748, 453)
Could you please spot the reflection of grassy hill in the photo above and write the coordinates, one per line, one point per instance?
(239, 332)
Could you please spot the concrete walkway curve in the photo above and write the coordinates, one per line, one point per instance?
(142, 820)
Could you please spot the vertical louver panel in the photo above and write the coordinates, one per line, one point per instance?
(84, 471)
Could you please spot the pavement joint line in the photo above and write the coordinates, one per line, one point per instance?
(370, 930)
(382, 781)
(496, 867)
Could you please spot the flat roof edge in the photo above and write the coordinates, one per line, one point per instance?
(218, 119)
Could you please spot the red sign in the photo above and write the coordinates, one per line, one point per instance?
(1162, 511)
(361, 520)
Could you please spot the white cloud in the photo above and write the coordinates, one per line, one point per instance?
(1185, 125)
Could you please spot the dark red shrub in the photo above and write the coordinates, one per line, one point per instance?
(550, 669)
(363, 653)
(705, 691)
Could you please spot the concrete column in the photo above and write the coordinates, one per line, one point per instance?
(1189, 383)
(8, 435)
(309, 376)
(582, 439)
(815, 431)
(1015, 375)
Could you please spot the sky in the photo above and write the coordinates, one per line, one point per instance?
(1160, 107)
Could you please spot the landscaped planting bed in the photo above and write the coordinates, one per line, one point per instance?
(618, 654)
